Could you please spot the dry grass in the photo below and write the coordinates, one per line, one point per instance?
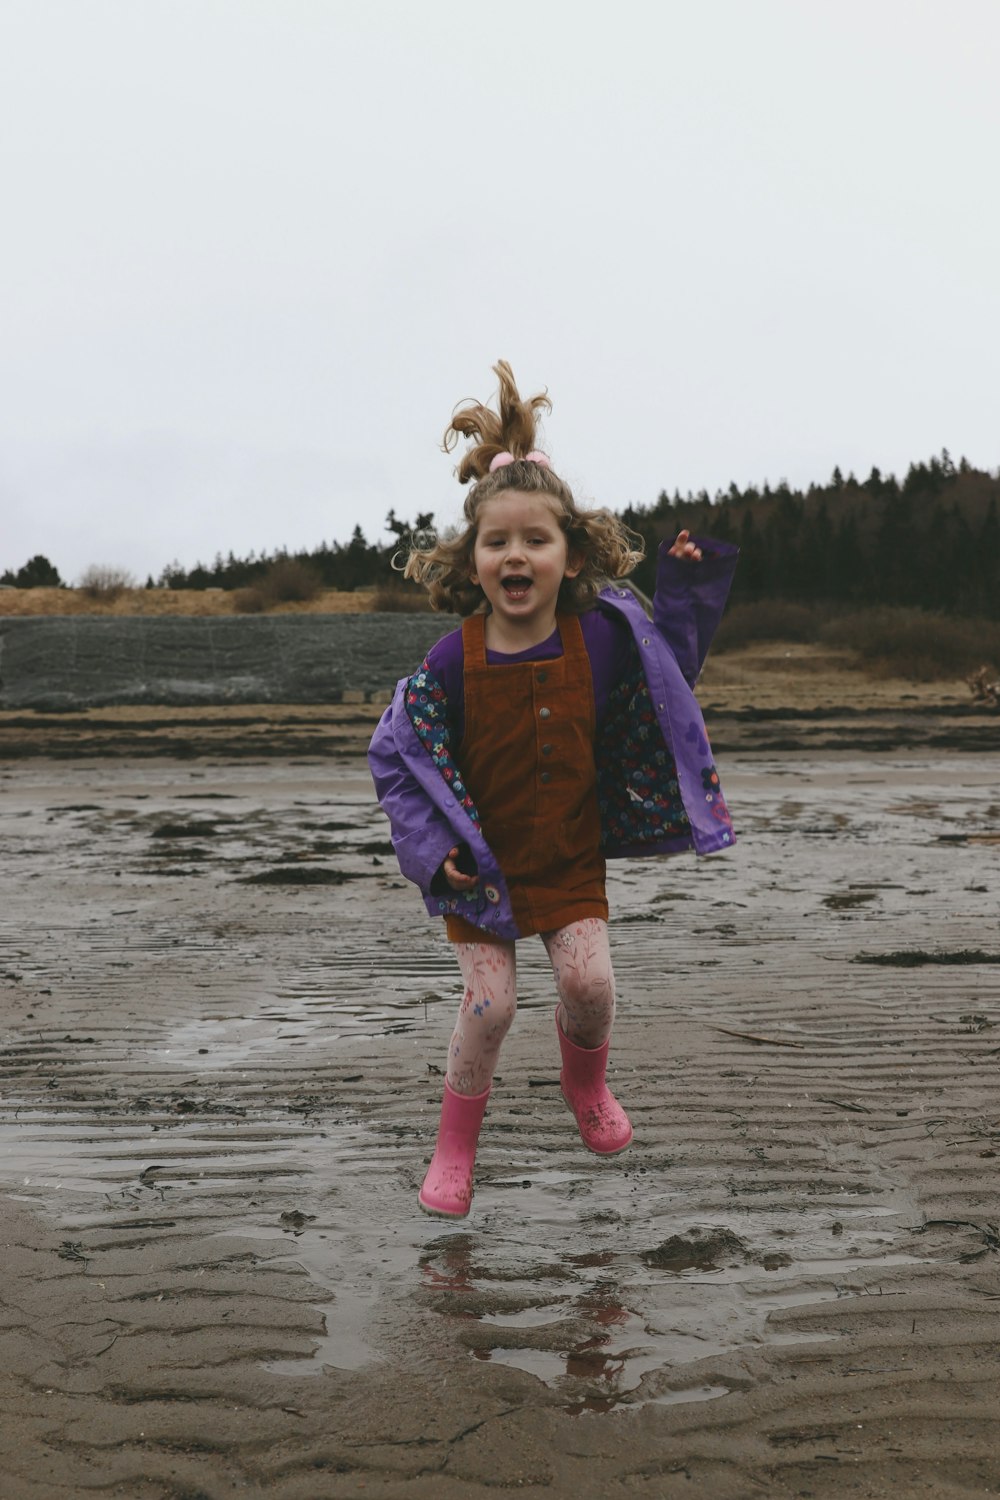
(774, 675)
(401, 599)
(916, 644)
(887, 641)
(34, 602)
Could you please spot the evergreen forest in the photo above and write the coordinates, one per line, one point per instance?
(930, 541)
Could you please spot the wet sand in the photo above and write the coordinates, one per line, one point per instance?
(219, 1096)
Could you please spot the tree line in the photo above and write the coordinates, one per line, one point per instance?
(931, 541)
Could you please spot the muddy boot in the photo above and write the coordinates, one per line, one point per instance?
(603, 1123)
(447, 1189)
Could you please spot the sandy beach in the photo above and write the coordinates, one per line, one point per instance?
(224, 1017)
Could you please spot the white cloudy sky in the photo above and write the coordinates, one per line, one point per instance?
(254, 251)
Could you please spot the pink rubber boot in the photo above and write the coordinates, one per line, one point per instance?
(447, 1189)
(603, 1123)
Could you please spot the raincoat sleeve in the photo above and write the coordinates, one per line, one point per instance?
(689, 600)
(406, 784)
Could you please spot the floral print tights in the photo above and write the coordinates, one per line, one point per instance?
(581, 963)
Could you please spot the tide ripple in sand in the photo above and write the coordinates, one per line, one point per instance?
(217, 1095)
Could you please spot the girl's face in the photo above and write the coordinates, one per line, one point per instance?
(519, 560)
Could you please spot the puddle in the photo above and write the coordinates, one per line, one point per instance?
(691, 1393)
(609, 1327)
(599, 1372)
(344, 1344)
(530, 1317)
(590, 1309)
(780, 1340)
(594, 1373)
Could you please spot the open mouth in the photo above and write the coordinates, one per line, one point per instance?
(516, 586)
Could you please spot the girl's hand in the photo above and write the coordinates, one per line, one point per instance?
(684, 547)
(454, 876)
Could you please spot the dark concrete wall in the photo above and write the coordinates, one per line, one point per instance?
(74, 661)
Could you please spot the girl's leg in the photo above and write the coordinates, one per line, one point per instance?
(484, 1018)
(485, 1015)
(581, 962)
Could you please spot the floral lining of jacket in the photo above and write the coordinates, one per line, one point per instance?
(658, 789)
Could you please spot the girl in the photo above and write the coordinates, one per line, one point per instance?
(555, 728)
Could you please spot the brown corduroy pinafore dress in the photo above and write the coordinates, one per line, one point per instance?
(527, 758)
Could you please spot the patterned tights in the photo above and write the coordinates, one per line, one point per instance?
(585, 984)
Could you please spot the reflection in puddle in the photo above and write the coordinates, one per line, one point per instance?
(530, 1317)
(595, 1372)
(607, 1329)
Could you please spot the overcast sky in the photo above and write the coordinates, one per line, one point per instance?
(254, 251)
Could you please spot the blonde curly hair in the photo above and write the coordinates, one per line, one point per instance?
(444, 564)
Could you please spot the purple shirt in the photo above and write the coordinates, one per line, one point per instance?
(609, 645)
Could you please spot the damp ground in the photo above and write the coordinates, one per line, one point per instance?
(224, 1022)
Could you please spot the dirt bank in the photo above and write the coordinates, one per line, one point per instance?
(765, 698)
(219, 1095)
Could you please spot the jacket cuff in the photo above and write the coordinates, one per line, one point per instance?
(717, 559)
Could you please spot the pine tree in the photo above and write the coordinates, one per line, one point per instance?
(37, 573)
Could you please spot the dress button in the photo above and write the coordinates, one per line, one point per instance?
(545, 713)
(546, 776)
(546, 749)
(541, 677)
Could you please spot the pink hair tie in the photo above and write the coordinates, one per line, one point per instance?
(501, 460)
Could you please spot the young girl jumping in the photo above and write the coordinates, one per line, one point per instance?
(556, 728)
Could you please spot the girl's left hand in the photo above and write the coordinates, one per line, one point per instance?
(456, 878)
(684, 548)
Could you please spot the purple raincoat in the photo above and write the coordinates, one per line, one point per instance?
(652, 752)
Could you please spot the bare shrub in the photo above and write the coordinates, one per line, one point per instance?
(105, 583)
(767, 620)
(401, 598)
(291, 580)
(915, 643)
(250, 601)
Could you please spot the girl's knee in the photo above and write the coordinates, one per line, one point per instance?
(491, 1013)
(587, 992)
(489, 1002)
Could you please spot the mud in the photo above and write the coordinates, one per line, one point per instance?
(219, 1097)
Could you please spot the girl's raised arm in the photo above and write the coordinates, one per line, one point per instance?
(693, 578)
